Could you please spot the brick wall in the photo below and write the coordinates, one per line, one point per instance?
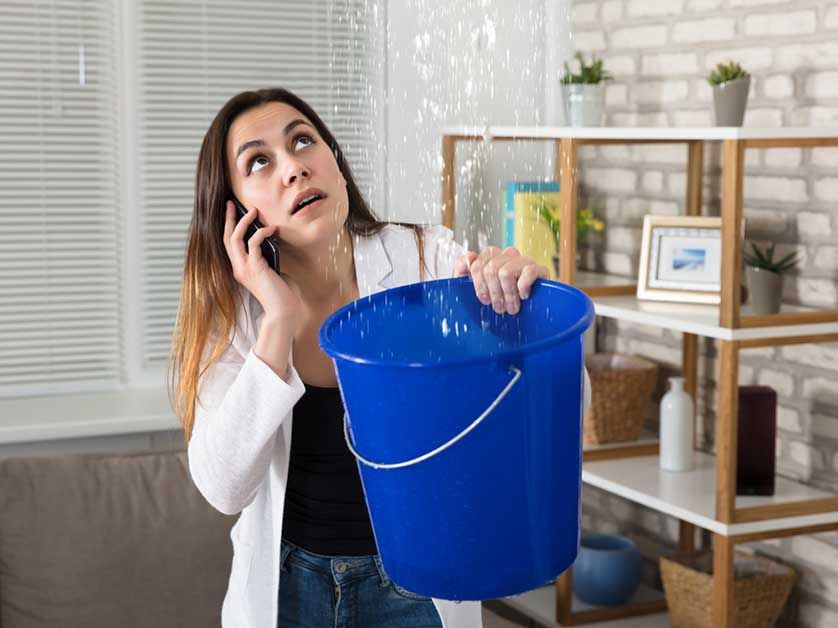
(660, 53)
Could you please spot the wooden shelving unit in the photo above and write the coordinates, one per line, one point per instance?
(706, 496)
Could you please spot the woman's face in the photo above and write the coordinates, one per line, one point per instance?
(277, 158)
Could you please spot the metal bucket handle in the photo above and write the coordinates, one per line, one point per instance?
(441, 448)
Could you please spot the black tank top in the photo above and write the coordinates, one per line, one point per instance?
(325, 511)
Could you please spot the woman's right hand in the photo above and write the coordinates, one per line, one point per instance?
(250, 268)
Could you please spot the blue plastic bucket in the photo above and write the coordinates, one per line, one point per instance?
(467, 429)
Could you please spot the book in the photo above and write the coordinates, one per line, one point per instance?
(524, 228)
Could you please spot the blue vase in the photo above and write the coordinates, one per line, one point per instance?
(607, 570)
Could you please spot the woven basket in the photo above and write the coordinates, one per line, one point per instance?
(761, 587)
(621, 387)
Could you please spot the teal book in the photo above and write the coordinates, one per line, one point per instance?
(512, 188)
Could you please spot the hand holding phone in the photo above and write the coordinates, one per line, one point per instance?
(270, 246)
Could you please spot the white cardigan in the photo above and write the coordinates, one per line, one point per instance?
(241, 438)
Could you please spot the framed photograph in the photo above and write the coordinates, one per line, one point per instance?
(680, 259)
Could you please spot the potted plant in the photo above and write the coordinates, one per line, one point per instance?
(583, 92)
(585, 222)
(730, 93)
(765, 278)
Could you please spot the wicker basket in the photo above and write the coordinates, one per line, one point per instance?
(761, 587)
(621, 386)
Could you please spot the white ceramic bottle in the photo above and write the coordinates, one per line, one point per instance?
(676, 428)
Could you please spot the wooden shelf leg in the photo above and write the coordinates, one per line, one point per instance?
(695, 170)
(568, 189)
(686, 537)
(733, 160)
(727, 425)
(723, 589)
(689, 368)
(449, 145)
(564, 597)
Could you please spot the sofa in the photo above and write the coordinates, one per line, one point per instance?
(109, 541)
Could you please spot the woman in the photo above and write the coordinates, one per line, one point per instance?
(248, 364)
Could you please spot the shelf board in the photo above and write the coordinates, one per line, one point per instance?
(540, 605)
(641, 133)
(691, 495)
(702, 320)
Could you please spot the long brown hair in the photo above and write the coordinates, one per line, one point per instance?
(207, 307)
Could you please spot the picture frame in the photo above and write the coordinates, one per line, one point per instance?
(680, 259)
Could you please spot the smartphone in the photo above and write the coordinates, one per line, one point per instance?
(270, 246)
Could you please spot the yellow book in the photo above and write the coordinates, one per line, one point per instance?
(532, 235)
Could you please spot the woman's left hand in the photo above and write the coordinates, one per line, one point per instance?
(500, 277)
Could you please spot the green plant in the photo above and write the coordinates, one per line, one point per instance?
(550, 214)
(764, 258)
(725, 72)
(588, 73)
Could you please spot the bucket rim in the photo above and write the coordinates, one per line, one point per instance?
(577, 329)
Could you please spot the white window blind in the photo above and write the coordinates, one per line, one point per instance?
(193, 56)
(59, 262)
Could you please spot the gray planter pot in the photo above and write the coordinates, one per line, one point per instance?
(765, 290)
(583, 104)
(730, 100)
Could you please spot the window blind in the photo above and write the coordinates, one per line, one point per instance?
(193, 55)
(59, 220)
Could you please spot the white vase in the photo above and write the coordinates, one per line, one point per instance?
(676, 428)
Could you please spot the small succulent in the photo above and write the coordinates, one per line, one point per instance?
(588, 73)
(725, 72)
(764, 258)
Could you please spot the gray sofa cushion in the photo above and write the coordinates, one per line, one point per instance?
(109, 540)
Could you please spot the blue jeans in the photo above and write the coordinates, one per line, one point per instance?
(317, 591)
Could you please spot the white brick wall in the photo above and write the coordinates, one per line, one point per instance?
(709, 30)
(814, 224)
(781, 23)
(661, 52)
(638, 37)
(584, 12)
(788, 419)
(823, 54)
(783, 383)
(775, 189)
(620, 65)
(588, 41)
(676, 64)
(751, 58)
(827, 258)
(822, 85)
(826, 189)
(644, 8)
(612, 11)
(783, 157)
(752, 3)
(825, 426)
(778, 86)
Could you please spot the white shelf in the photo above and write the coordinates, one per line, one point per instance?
(83, 415)
(691, 495)
(540, 605)
(643, 133)
(702, 320)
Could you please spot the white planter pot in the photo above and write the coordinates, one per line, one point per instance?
(583, 104)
